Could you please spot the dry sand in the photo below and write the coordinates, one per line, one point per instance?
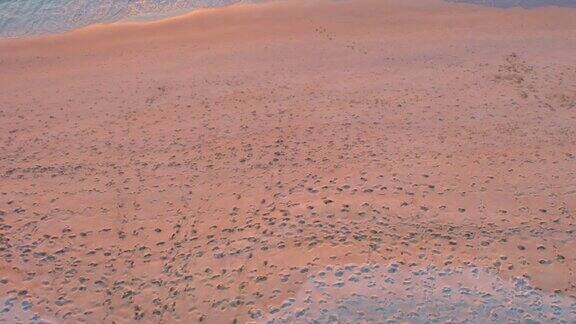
(282, 161)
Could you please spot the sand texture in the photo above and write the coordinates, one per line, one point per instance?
(339, 161)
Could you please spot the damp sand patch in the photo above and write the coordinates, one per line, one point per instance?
(395, 293)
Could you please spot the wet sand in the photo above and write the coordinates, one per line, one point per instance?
(22, 18)
(270, 162)
(520, 3)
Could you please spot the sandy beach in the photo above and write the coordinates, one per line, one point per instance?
(349, 161)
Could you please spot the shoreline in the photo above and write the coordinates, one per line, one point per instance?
(239, 162)
(144, 16)
(187, 14)
(128, 23)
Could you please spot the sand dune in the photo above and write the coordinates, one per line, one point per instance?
(292, 161)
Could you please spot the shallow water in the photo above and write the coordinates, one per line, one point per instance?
(38, 17)
(521, 3)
